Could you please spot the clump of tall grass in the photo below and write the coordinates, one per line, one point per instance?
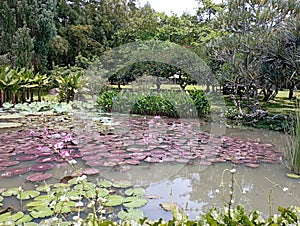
(293, 147)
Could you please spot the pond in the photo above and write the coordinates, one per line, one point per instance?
(176, 161)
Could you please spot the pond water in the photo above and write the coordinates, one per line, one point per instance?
(177, 161)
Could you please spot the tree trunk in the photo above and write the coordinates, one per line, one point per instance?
(291, 90)
(267, 93)
(23, 96)
(39, 94)
(275, 93)
(31, 95)
(1, 98)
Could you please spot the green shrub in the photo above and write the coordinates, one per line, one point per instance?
(173, 104)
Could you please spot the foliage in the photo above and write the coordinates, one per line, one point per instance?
(293, 149)
(166, 103)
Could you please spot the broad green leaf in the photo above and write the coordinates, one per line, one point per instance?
(11, 192)
(28, 194)
(294, 176)
(44, 188)
(122, 184)
(24, 219)
(5, 216)
(85, 185)
(135, 192)
(105, 184)
(41, 212)
(114, 200)
(17, 216)
(131, 214)
(134, 202)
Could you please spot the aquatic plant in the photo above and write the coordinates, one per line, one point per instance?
(293, 148)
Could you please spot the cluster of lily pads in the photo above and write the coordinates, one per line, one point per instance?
(74, 201)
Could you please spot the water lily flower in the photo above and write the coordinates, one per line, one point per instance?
(232, 171)
(72, 162)
(64, 153)
(68, 138)
(285, 189)
(31, 132)
(151, 121)
(59, 145)
(78, 204)
(157, 117)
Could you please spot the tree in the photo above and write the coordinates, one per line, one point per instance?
(22, 48)
(248, 25)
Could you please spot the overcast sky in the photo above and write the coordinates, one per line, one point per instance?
(175, 6)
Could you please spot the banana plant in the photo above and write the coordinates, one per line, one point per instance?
(26, 83)
(10, 84)
(40, 81)
(69, 85)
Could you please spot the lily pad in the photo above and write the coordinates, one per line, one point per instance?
(11, 192)
(28, 194)
(134, 202)
(131, 214)
(15, 171)
(6, 125)
(169, 206)
(39, 177)
(16, 216)
(105, 183)
(114, 200)
(41, 167)
(26, 157)
(24, 219)
(44, 188)
(85, 185)
(122, 184)
(293, 176)
(90, 171)
(135, 192)
(42, 212)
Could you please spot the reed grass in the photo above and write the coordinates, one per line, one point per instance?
(293, 149)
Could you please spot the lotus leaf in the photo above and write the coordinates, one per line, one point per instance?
(85, 185)
(16, 216)
(44, 188)
(105, 184)
(41, 212)
(135, 192)
(45, 198)
(134, 202)
(122, 184)
(114, 200)
(24, 219)
(11, 192)
(293, 176)
(131, 214)
(28, 194)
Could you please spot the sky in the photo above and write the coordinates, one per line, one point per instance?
(175, 6)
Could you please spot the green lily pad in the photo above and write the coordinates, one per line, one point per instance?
(85, 185)
(41, 212)
(114, 200)
(122, 184)
(135, 192)
(102, 192)
(75, 195)
(169, 206)
(28, 194)
(44, 188)
(11, 192)
(1, 198)
(5, 216)
(6, 125)
(16, 216)
(105, 184)
(34, 204)
(45, 198)
(134, 202)
(293, 176)
(131, 214)
(24, 219)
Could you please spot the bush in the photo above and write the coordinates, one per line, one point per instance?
(173, 104)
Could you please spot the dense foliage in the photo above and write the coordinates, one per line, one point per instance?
(173, 104)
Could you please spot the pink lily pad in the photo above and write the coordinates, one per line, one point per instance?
(132, 162)
(90, 171)
(39, 177)
(95, 163)
(44, 153)
(26, 157)
(15, 171)
(41, 167)
(2, 168)
(46, 159)
(10, 163)
(252, 165)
